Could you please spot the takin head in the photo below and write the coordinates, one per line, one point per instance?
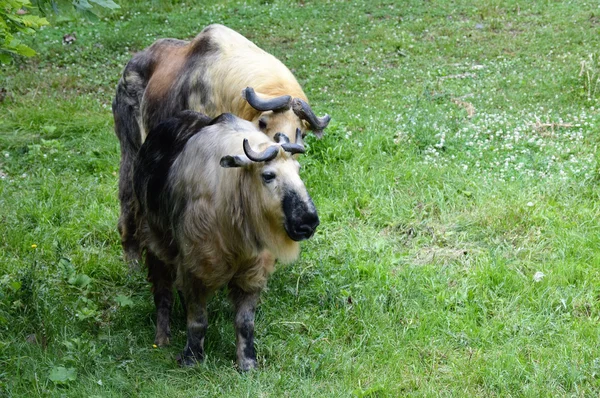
(284, 114)
(273, 175)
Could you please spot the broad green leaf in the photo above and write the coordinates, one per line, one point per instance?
(62, 375)
(14, 43)
(85, 313)
(80, 280)
(25, 50)
(124, 301)
(106, 4)
(34, 21)
(90, 15)
(66, 265)
(82, 5)
(14, 18)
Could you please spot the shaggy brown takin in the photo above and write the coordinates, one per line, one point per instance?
(218, 71)
(218, 202)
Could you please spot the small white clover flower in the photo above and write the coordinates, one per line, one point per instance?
(538, 276)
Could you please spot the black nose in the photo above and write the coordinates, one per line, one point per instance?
(301, 218)
(310, 222)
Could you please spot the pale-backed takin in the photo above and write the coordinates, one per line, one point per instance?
(218, 71)
(218, 202)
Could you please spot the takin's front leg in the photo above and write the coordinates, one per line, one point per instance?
(245, 308)
(195, 296)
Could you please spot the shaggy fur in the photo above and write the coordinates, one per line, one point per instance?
(207, 225)
(207, 75)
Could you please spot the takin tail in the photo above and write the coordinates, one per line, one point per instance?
(126, 109)
(126, 112)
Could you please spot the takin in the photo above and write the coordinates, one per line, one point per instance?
(219, 71)
(217, 203)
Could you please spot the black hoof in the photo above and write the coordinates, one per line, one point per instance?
(186, 359)
(246, 365)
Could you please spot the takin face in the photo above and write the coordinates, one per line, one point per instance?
(284, 114)
(274, 176)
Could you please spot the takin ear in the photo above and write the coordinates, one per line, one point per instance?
(234, 161)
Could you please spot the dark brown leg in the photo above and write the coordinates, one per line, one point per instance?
(194, 298)
(182, 301)
(161, 276)
(127, 223)
(245, 308)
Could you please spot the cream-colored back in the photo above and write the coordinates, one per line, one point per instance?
(238, 64)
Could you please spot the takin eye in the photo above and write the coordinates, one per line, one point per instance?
(262, 124)
(268, 176)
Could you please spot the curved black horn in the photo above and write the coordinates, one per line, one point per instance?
(268, 154)
(305, 112)
(279, 137)
(261, 104)
(294, 148)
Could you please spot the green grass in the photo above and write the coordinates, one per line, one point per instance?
(461, 160)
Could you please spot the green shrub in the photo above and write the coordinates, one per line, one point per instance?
(15, 17)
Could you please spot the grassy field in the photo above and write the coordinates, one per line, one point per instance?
(457, 185)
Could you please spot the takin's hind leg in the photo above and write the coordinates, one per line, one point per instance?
(245, 308)
(130, 244)
(161, 276)
(195, 296)
(127, 222)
